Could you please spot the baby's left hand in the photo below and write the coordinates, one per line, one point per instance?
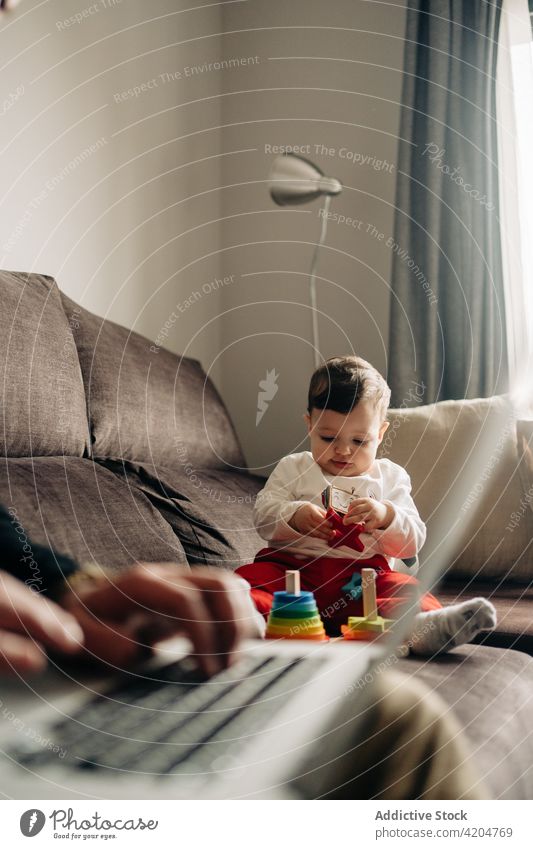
(374, 514)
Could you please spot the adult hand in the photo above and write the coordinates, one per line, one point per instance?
(311, 521)
(29, 624)
(123, 616)
(375, 514)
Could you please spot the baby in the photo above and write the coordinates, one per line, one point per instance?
(347, 405)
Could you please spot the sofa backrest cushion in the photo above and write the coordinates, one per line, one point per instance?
(211, 511)
(525, 453)
(80, 509)
(42, 396)
(433, 443)
(146, 404)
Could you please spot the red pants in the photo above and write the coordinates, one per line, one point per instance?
(325, 577)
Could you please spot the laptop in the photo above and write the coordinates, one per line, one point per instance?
(164, 731)
(257, 730)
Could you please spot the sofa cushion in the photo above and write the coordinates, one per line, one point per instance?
(433, 443)
(148, 405)
(41, 391)
(210, 510)
(524, 431)
(82, 510)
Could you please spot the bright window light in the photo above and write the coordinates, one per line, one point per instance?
(514, 106)
(522, 66)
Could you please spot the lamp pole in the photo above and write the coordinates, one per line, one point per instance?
(294, 181)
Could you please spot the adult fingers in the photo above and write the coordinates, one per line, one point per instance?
(113, 643)
(156, 590)
(19, 654)
(225, 598)
(25, 612)
(224, 616)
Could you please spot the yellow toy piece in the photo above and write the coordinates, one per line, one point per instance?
(370, 626)
(360, 628)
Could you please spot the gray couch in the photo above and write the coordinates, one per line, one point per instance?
(116, 451)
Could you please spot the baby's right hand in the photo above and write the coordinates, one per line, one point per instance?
(311, 520)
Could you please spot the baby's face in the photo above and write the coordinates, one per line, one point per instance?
(345, 443)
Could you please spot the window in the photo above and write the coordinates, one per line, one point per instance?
(515, 132)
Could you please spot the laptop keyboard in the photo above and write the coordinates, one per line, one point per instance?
(175, 721)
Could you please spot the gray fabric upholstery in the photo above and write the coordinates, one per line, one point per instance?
(211, 512)
(490, 691)
(42, 400)
(80, 509)
(150, 405)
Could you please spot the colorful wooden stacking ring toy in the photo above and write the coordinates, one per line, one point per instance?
(295, 616)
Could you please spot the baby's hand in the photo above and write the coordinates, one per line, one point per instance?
(311, 521)
(374, 514)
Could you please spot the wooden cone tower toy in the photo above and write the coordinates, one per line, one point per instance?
(294, 614)
(370, 626)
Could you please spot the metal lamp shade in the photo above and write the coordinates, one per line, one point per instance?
(294, 180)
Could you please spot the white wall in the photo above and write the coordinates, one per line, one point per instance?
(113, 227)
(345, 99)
(117, 226)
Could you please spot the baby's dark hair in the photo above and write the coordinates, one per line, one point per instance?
(342, 382)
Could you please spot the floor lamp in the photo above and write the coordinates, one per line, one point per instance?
(293, 181)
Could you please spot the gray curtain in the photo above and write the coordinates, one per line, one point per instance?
(447, 332)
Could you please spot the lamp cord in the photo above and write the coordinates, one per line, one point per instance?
(312, 280)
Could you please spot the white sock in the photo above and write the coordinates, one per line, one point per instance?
(441, 630)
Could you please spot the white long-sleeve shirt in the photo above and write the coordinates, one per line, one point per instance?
(298, 479)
